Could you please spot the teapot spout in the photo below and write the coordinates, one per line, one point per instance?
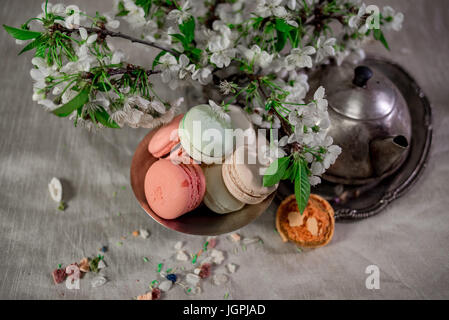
(386, 153)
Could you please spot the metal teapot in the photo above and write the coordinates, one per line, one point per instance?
(370, 121)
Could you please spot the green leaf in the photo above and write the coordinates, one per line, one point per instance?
(121, 10)
(268, 28)
(293, 36)
(182, 39)
(77, 102)
(290, 173)
(156, 59)
(21, 34)
(92, 116)
(102, 86)
(302, 186)
(122, 13)
(188, 29)
(275, 171)
(195, 54)
(283, 26)
(41, 50)
(31, 45)
(281, 41)
(146, 5)
(257, 22)
(379, 35)
(103, 117)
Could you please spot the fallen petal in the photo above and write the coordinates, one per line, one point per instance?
(98, 281)
(55, 188)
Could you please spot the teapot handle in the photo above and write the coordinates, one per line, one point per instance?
(361, 76)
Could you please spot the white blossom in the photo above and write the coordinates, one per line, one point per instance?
(184, 67)
(157, 106)
(325, 48)
(291, 4)
(202, 75)
(117, 57)
(300, 58)
(355, 20)
(396, 19)
(48, 104)
(331, 155)
(255, 55)
(118, 117)
(56, 9)
(231, 12)
(274, 149)
(314, 180)
(266, 8)
(73, 19)
(289, 18)
(180, 15)
(256, 118)
(221, 53)
(111, 22)
(169, 67)
(135, 16)
(150, 29)
(226, 87)
(219, 111)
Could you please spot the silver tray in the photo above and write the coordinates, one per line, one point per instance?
(357, 202)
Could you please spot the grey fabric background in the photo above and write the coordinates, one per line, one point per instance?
(409, 241)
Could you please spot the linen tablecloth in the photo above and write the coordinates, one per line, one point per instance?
(409, 241)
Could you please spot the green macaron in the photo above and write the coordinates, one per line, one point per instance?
(206, 136)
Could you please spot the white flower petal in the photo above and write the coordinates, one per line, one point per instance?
(55, 189)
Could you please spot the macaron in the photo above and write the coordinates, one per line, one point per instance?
(243, 176)
(217, 197)
(205, 136)
(174, 189)
(244, 131)
(165, 138)
(313, 229)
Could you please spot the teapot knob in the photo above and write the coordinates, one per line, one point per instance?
(361, 76)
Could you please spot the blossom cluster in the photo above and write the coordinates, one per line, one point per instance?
(258, 54)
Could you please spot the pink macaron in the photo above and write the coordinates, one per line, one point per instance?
(165, 138)
(174, 189)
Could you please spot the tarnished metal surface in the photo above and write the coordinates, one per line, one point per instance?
(364, 118)
(355, 202)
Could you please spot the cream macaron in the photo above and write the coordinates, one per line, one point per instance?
(243, 175)
(217, 197)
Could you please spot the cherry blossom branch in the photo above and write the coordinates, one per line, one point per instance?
(211, 15)
(119, 71)
(102, 33)
(286, 127)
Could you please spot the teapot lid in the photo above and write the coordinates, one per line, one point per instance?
(361, 93)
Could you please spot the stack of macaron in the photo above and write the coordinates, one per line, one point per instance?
(212, 170)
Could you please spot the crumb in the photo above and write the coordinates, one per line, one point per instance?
(235, 237)
(144, 233)
(59, 275)
(84, 265)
